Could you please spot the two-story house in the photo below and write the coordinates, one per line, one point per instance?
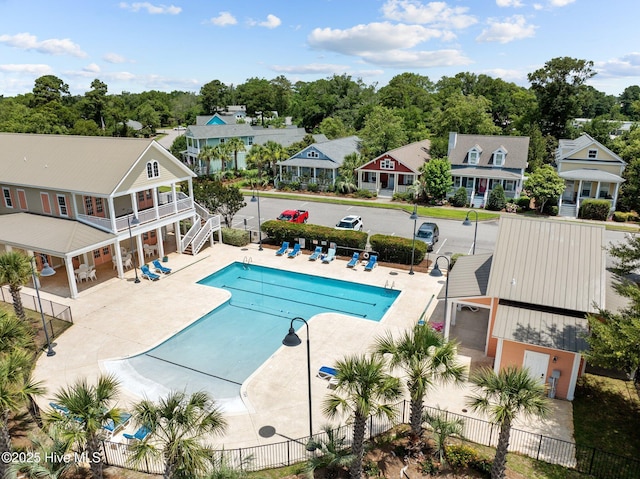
(480, 162)
(72, 200)
(396, 170)
(590, 170)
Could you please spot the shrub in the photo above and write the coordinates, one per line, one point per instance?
(594, 210)
(460, 455)
(459, 199)
(364, 194)
(511, 208)
(295, 185)
(235, 237)
(523, 202)
(620, 217)
(395, 249)
(429, 466)
(313, 187)
(482, 465)
(551, 207)
(280, 231)
(402, 196)
(496, 201)
(371, 469)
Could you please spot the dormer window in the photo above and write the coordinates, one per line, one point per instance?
(312, 154)
(593, 154)
(499, 157)
(474, 156)
(153, 169)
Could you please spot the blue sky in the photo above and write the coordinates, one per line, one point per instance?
(181, 45)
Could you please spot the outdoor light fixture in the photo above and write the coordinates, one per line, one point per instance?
(46, 271)
(292, 339)
(135, 221)
(467, 222)
(414, 217)
(256, 198)
(436, 272)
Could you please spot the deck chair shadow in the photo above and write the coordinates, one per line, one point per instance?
(373, 262)
(295, 251)
(354, 260)
(147, 274)
(330, 256)
(316, 253)
(283, 249)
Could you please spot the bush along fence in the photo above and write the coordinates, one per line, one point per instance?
(587, 460)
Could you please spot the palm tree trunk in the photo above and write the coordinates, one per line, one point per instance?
(169, 469)
(359, 427)
(500, 461)
(5, 443)
(415, 416)
(95, 457)
(34, 411)
(235, 160)
(17, 302)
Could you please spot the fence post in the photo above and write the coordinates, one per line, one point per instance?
(593, 456)
(539, 447)
(104, 453)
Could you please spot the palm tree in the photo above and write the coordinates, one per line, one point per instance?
(207, 153)
(16, 387)
(15, 270)
(88, 412)
(427, 360)
(504, 396)
(257, 156)
(14, 333)
(330, 453)
(275, 152)
(51, 463)
(443, 429)
(177, 427)
(235, 145)
(363, 388)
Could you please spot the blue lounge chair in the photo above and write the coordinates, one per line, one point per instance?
(330, 256)
(146, 273)
(316, 254)
(373, 261)
(58, 408)
(354, 260)
(112, 428)
(158, 266)
(295, 251)
(326, 372)
(139, 435)
(283, 249)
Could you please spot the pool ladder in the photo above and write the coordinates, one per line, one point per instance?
(246, 262)
(389, 286)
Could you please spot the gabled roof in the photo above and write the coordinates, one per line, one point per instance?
(567, 148)
(81, 164)
(334, 150)
(549, 263)
(413, 155)
(260, 135)
(470, 276)
(516, 146)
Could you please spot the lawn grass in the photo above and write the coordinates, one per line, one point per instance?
(606, 415)
(35, 320)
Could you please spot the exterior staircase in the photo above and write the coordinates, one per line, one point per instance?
(201, 231)
(567, 210)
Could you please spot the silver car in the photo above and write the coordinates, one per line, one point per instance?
(429, 233)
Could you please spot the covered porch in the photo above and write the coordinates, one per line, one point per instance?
(584, 184)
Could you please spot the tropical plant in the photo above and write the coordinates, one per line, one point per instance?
(87, 410)
(52, 458)
(207, 153)
(331, 453)
(363, 388)
(15, 270)
(178, 426)
(14, 333)
(427, 360)
(235, 145)
(257, 157)
(443, 429)
(503, 397)
(275, 152)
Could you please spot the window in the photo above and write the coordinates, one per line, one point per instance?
(153, 169)
(371, 177)
(145, 236)
(387, 164)
(46, 206)
(106, 251)
(586, 189)
(498, 158)
(88, 205)
(7, 197)
(250, 140)
(140, 196)
(153, 234)
(593, 154)
(99, 207)
(96, 253)
(221, 140)
(148, 194)
(473, 155)
(62, 205)
(509, 185)
(312, 154)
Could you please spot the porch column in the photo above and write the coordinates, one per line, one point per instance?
(154, 195)
(615, 196)
(176, 231)
(112, 213)
(160, 242)
(134, 204)
(598, 191)
(140, 249)
(118, 252)
(71, 277)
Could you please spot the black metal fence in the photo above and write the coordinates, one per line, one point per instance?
(587, 460)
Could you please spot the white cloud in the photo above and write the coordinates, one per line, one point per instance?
(560, 3)
(271, 22)
(626, 66)
(515, 76)
(509, 3)
(311, 68)
(417, 59)
(52, 46)
(223, 19)
(508, 30)
(436, 13)
(151, 8)
(114, 58)
(92, 68)
(30, 69)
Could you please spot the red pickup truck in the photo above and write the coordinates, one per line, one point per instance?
(294, 216)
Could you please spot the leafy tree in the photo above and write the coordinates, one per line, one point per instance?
(95, 103)
(283, 90)
(504, 396)
(443, 429)
(437, 178)
(626, 256)
(334, 128)
(383, 131)
(543, 185)
(178, 426)
(48, 89)
(407, 90)
(363, 388)
(235, 145)
(331, 453)
(629, 96)
(149, 118)
(557, 86)
(497, 201)
(89, 410)
(258, 95)
(15, 270)
(467, 114)
(427, 360)
(178, 146)
(214, 96)
(225, 200)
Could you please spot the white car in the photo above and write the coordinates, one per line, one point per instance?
(180, 128)
(350, 222)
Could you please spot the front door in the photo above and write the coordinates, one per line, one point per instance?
(384, 179)
(567, 195)
(538, 363)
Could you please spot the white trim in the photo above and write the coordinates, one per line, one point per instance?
(66, 206)
(8, 199)
(498, 358)
(574, 376)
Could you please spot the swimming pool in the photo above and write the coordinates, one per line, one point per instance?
(219, 351)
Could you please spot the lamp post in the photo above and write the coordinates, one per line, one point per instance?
(414, 217)
(256, 198)
(467, 222)
(436, 272)
(292, 339)
(46, 271)
(134, 221)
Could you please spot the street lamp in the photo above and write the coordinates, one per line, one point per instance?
(292, 339)
(414, 217)
(256, 198)
(466, 222)
(135, 221)
(46, 271)
(436, 272)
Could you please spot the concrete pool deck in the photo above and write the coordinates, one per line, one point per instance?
(119, 318)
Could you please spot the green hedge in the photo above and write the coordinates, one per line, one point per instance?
(394, 249)
(280, 231)
(594, 210)
(235, 237)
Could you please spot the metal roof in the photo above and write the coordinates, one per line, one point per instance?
(485, 172)
(334, 150)
(541, 328)
(590, 174)
(470, 276)
(55, 236)
(549, 263)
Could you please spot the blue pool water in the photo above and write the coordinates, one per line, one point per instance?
(223, 348)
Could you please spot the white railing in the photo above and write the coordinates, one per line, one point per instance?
(201, 238)
(193, 231)
(103, 223)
